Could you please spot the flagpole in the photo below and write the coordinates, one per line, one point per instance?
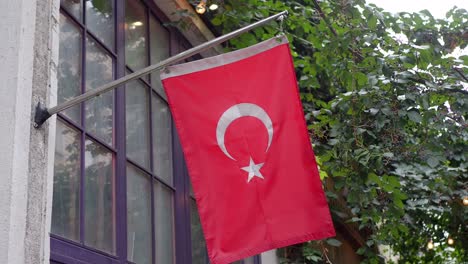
(42, 113)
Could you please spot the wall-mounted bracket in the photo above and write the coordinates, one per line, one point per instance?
(41, 115)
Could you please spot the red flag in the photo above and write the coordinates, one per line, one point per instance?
(248, 152)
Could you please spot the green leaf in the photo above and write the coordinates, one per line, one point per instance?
(393, 181)
(331, 195)
(432, 162)
(372, 177)
(323, 174)
(414, 116)
(333, 242)
(372, 23)
(361, 251)
(399, 203)
(388, 155)
(216, 21)
(361, 78)
(403, 229)
(399, 195)
(373, 111)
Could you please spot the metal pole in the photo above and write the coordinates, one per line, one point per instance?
(42, 114)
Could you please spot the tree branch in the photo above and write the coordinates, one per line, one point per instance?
(461, 74)
(319, 9)
(324, 17)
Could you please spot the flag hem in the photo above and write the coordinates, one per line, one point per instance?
(223, 59)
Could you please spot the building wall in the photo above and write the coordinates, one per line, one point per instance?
(25, 71)
(15, 93)
(42, 140)
(16, 61)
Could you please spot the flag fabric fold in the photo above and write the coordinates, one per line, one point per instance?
(248, 152)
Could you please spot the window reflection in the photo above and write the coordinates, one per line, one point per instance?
(72, 6)
(69, 67)
(99, 110)
(164, 224)
(162, 139)
(250, 260)
(99, 198)
(100, 20)
(159, 50)
(65, 203)
(138, 217)
(137, 123)
(135, 35)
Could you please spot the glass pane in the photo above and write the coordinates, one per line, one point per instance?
(99, 110)
(65, 202)
(139, 248)
(159, 50)
(73, 7)
(162, 139)
(137, 123)
(245, 261)
(164, 224)
(199, 255)
(250, 260)
(69, 67)
(136, 54)
(100, 20)
(99, 198)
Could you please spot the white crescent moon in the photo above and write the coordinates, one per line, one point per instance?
(239, 110)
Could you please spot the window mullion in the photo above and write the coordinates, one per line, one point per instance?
(83, 133)
(120, 136)
(182, 222)
(150, 116)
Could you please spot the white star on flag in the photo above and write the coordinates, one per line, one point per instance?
(253, 170)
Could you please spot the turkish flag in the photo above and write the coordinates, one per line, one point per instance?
(249, 156)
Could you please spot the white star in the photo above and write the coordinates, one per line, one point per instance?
(253, 170)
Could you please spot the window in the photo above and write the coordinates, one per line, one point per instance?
(121, 190)
(85, 202)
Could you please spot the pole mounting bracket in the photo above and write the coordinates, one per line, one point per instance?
(41, 115)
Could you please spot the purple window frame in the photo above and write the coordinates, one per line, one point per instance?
(66, 251)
